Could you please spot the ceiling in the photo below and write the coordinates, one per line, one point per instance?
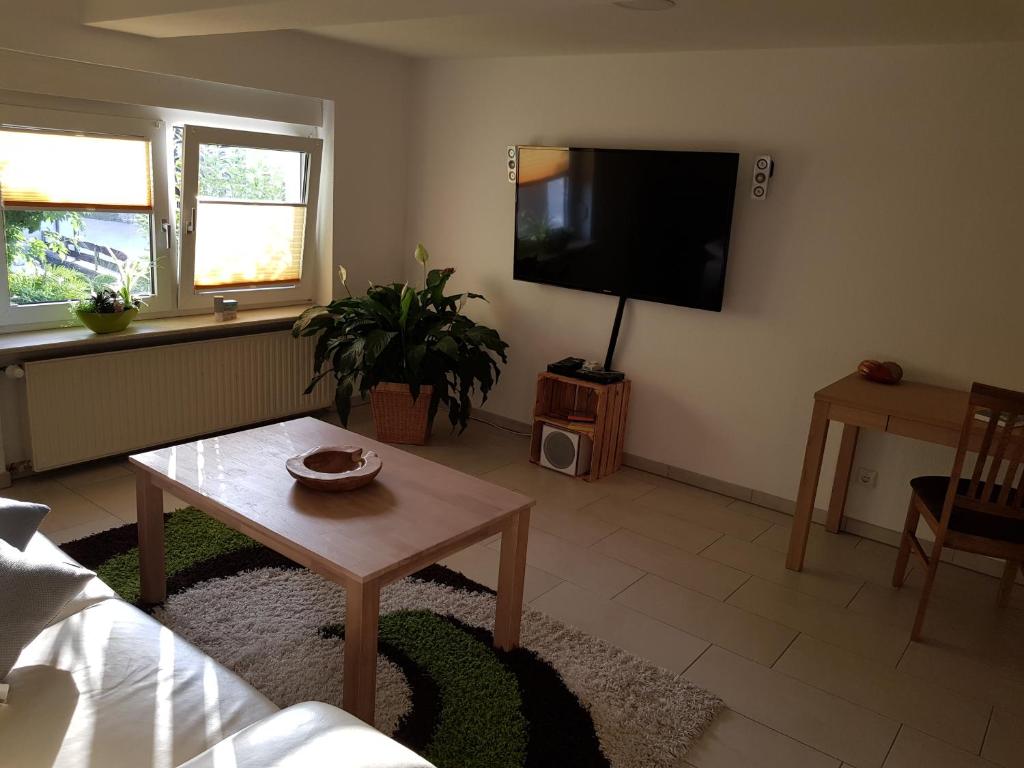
(466, 28)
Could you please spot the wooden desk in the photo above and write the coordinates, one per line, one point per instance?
(920, 411)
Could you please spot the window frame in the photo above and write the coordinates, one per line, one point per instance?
(162, 238)
(304, 290)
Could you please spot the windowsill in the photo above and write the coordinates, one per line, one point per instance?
(22, 346)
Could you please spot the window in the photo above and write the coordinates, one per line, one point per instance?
(79, 201)
(85, 198)
(248, 205)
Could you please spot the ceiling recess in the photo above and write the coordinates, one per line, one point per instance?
(645, 5)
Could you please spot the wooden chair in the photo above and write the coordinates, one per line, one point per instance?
(981, 513)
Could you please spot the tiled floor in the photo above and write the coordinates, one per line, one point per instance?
(816, 667)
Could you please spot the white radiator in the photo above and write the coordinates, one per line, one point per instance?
(87, 407)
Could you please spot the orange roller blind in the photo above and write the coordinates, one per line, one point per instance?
(248, 245)
(542, 164)
(40, 169)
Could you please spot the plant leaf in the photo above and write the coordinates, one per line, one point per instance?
(303, 320)
(343, 399)
(448, 346)
(376, 342)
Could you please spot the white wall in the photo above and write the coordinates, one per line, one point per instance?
(893, 230)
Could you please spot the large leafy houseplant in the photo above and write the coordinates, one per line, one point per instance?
(398, 334)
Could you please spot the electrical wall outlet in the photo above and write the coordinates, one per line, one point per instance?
(867, 477)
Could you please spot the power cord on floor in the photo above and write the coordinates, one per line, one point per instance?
(499, 426)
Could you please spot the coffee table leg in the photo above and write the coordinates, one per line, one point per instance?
(511, 573)
(361, 615)
(149, 505)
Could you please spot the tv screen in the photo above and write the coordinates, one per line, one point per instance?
(643, 224)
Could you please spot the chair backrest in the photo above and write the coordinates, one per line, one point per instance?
(993, 428)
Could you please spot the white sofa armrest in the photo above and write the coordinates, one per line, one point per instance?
(308, 735)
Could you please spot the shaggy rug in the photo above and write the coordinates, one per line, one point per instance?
(563, 699)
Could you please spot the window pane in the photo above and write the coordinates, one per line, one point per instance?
(61, 170)
(55, 255)
(246, 173)
(244, 245)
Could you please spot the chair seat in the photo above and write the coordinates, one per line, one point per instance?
(931, 489)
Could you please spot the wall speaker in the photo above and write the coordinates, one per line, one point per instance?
(564, 451)
(512, 161)
(764, 169)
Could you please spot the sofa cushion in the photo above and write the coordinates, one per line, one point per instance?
(109, 686)
(309, 735)
(33, 589)
(94, 590)
(19, 520)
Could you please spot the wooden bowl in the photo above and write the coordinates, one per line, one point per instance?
(334, 468)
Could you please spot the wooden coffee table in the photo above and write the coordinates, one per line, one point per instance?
(415, 513)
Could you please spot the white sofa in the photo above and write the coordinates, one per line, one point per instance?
(106, 685)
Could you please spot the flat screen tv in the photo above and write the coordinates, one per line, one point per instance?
(643, 224)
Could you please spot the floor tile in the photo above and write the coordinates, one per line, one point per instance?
(980, 627)
(71, 512)
(546, 485)
(835, 588)
(819, 541)
(628, 483)
(914, 749)
(862, 634)
(920, 703)
(1004, 742)
(173, 503)
(737, 630)
(480, 564)
(705, 509)
(659, 526)
(572, 525)
(733, 741)
(630, 630)
(870, 561)
(676, 565)
(763, 513)
(40, 490)
(116, 496)
(955, 583)
(92, 472)
(584, 567)
(96, 525)
(676, 492)
(828, 723)
(966, 672)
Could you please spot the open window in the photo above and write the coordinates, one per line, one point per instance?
(248, 217)
(82, 202)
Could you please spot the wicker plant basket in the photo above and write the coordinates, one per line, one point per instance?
(397, 418)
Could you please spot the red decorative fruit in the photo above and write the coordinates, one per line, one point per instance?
(883, 373)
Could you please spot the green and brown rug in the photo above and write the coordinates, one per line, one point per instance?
(564, 699)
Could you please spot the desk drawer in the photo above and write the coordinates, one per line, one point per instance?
(857, 417)
(919, 430)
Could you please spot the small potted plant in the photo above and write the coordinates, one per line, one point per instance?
(107, 310)
(411, 351)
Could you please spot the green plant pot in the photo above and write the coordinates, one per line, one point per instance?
(107, 322)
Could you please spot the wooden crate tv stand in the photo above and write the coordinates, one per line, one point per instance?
(558, 396)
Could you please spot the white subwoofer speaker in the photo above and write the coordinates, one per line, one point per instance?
(564, 451)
